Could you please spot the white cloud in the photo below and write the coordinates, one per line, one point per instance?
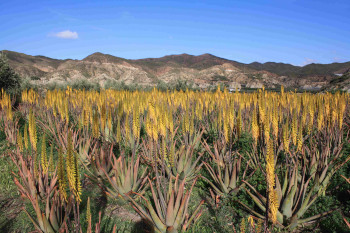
(338, 59)
(66, 35)
(308, 61)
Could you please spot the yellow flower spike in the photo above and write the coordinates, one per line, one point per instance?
(273, 201)
(251, 221)
(294, 128)
(255, 128)
(70, 163)
(270, 164)
(44, 162)
(32, 130)
(270, 177)
(77, 188)
(267, 129)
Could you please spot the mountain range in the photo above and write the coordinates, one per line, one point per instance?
(203, 71)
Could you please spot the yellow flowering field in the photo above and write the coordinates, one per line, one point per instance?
(178, 158)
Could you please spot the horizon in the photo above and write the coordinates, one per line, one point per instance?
(290, 31)
(277, 62)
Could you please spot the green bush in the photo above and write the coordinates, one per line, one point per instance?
(26, 84)
(9, 80)
(84, 84)
(116, 85)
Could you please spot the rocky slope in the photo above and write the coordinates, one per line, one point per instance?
(340, 83)
(203, 71)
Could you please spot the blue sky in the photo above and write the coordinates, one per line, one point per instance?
(290, 31)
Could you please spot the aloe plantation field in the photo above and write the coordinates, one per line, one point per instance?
(174, 161)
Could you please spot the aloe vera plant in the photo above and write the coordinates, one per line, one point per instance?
(168, 208)
(227, 167)
(127, 175)
(98, 161)
(35, 181)
(9, 127)
(59, 129)
(184, 164)
(181, 161)
(87, 147)
(300, 181)
(54, 218)
(192, 138)
(41, 189)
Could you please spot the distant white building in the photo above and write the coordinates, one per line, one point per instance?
(234, 87)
